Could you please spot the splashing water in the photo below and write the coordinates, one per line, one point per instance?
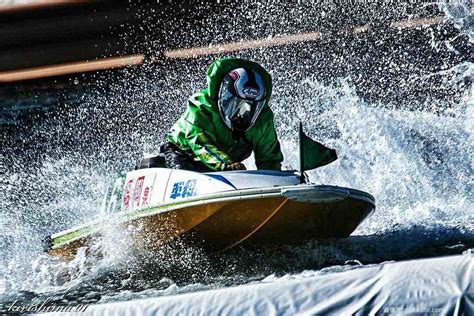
(417, 164)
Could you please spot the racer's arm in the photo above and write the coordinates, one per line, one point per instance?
(194, 132)
(205, 150)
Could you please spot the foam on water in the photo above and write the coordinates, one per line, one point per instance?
(417, 164)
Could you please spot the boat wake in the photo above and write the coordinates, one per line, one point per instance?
(416, 163)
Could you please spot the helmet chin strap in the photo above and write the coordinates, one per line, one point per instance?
(238, 128)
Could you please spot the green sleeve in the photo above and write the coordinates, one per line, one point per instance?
(194, 132)
(205, 150)
(267, 150)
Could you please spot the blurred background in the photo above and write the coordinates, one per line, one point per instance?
(89, 87)
(52, 47)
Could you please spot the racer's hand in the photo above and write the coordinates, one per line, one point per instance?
(235, 166)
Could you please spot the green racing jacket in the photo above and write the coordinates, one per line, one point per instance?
(202, 133)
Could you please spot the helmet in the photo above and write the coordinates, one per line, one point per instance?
(241, 99)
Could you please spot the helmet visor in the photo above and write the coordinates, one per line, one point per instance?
(239, 114)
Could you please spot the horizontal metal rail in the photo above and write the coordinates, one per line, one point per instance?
(184, 53)
(70, 68)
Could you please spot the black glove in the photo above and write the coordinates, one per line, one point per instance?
(235, 166)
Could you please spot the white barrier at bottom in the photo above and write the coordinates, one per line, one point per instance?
(437, 286)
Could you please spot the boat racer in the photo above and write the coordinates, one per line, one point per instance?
(225, 122)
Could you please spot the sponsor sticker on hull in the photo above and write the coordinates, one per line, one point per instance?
(137, 192)
(183, 189)
(126, 194)
(146, 196)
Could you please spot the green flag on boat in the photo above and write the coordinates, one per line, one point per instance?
(313, 154)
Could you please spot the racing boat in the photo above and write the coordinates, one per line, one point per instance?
(221, 210)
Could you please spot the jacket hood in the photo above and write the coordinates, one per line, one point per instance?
(219, 68)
